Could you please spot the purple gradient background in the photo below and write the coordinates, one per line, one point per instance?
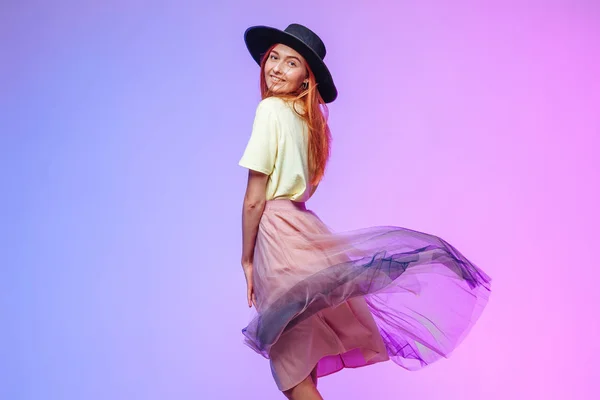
(121, 124)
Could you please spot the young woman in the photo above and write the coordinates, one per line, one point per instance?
(325, 300)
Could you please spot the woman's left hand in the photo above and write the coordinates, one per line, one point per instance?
(248, 268)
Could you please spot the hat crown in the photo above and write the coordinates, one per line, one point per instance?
(308, 37)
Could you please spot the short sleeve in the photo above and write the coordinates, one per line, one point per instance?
(261, 149)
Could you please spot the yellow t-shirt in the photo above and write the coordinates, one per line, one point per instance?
(278, 147)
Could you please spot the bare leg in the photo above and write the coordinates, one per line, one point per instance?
(305, 390)
(313, 375)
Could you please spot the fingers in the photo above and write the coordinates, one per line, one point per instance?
(251, 297)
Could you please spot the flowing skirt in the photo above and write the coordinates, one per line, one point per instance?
(338, 300)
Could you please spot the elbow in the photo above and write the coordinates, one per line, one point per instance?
(252, 204)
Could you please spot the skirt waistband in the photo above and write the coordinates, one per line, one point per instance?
(285, 204)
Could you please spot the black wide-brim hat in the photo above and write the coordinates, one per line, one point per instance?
(260, 38)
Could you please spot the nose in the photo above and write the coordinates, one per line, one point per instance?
(276, 68)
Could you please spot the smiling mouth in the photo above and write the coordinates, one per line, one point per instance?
(275, 79)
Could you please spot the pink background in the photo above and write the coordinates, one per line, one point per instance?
(121, 124)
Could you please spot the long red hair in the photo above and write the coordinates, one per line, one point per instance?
(316, 115)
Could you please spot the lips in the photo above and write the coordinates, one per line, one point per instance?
(276, 79)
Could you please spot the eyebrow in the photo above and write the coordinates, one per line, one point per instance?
(274, 51)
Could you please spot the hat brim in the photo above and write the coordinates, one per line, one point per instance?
(260, 38)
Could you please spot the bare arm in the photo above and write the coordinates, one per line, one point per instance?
(254, 205)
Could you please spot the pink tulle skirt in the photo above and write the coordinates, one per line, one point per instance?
(345, 300)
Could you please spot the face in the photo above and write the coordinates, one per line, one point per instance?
(285, 70)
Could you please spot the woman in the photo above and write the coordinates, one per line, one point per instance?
(327, 300)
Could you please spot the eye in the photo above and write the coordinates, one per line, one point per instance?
(273, 57)
(293, 63)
